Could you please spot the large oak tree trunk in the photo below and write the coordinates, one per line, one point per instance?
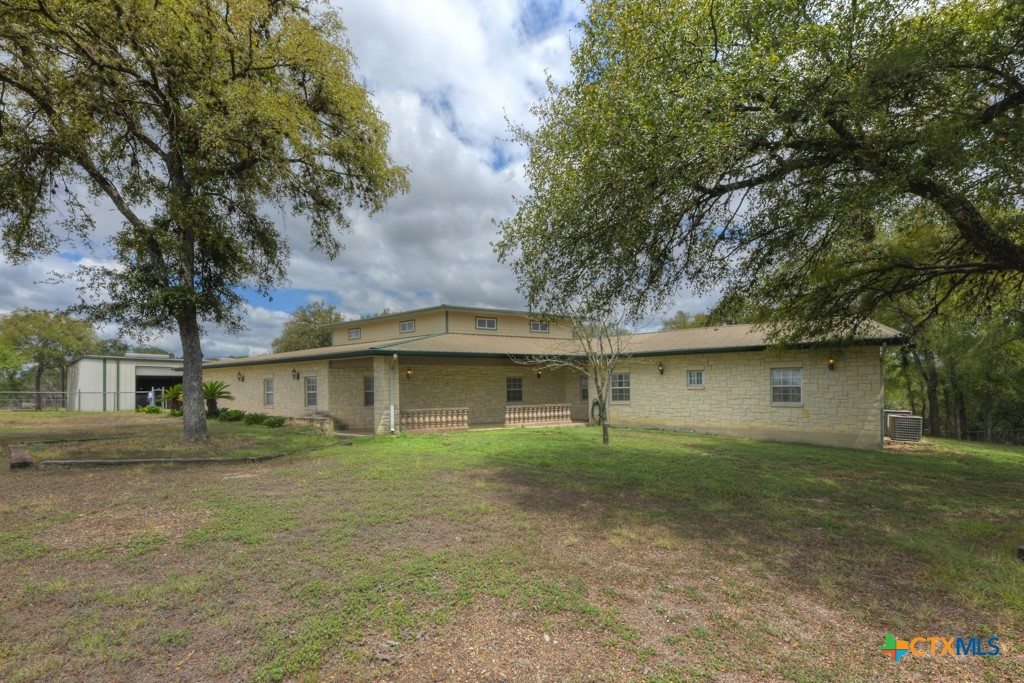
(194, 411)
(931, 380)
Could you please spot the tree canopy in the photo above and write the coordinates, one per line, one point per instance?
(809, 159)
(305, 329)
(198, 121)
(49, 340)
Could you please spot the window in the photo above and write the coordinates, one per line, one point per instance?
(367, 390)
(407, 326)
(268, 392)
(786, 385)
(695, 378)
(355, 333)
(584, 388)
(486, 323)
(513, 389)
(620, 387)
(311, 392)
(538, 326)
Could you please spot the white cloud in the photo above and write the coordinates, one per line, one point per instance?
(445, 75)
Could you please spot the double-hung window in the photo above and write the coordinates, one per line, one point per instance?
(311, 392)
(268, 392)
(787, 386)
(620, 386)
(584, 388)
(367, 390)
(513, 389)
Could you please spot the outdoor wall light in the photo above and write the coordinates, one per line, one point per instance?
(539, 373)
(408, 373)
(241, 377)
(661, 369)
(295, 375)
(831, 363)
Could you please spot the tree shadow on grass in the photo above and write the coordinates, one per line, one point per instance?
(893, 532)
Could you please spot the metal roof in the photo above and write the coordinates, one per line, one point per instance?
(728, 338)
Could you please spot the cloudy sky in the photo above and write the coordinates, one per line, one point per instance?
(445, 74)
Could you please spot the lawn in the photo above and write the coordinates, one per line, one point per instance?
(511, 555)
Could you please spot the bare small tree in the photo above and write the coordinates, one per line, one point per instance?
(600, 342)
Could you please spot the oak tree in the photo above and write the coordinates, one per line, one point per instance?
(307, 327)
(809, 159)
(198, 122)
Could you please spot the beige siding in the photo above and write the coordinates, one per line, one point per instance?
(380, 330)
(464, 322)
(839, 408)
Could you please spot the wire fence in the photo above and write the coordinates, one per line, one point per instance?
(87, 401)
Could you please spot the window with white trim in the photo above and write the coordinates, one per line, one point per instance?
(787, 385)
(486, 323)
(311, 392)
(584, 388)
(620, 386)
(367, 390)
(695, 379)
(268, 392)
(538, 326)
(407, 326)
(355, 333)
(513, 389)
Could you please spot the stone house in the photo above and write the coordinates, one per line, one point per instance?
(450, 367)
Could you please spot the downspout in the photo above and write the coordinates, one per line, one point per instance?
(881, 368)
(391, 389)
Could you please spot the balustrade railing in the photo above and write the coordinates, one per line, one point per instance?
(434, 419)
(552, 413)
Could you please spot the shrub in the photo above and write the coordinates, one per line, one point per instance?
(255, 418)
(152, 410)
(176, 412)
(274, 422)
(229, 415)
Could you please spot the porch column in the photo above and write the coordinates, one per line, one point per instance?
(386, 387)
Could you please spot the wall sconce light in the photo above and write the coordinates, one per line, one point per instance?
(661, 369)
(539, 373)
(241, 377)
(408, 373)
(831, 363)
(295, 375)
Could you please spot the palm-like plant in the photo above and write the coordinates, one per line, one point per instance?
(212, 391)
(174, 396)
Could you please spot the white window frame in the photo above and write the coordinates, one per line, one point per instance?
(355, 333)
(268, 391)
(314, 392)
(584, 388)
(785, 380)
(619, 387)
(406, 326)
(510, 386)
(539, 327)
(369, 391)
(486, 323)
(692, 375)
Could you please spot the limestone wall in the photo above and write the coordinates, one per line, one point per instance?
(839, 407)
(289, 393)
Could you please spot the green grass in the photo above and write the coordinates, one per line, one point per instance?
(673, 556)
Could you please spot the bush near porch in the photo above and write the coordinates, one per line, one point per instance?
(664, 557)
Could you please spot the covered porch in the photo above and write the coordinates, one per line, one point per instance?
(393, 393)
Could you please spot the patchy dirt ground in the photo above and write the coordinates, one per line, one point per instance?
(420, 560)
